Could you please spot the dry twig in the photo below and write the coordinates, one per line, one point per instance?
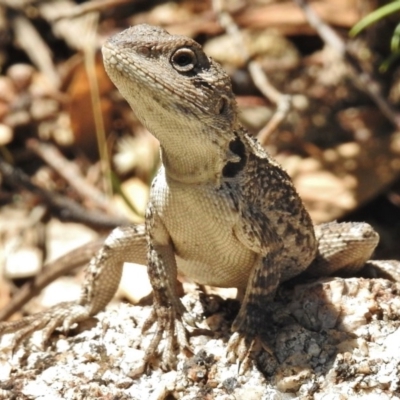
(50, 273)
(85, 8)
(36, 48)
(71, 173)
(64, 208)
(283, 101)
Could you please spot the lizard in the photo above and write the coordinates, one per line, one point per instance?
(221, 211)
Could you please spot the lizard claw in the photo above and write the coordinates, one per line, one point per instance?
(239, 349)
(168, 321)
(63, 314)
(190, 319)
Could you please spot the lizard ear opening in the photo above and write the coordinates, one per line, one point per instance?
(222, 106)
(232, 168)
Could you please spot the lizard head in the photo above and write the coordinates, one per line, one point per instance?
(182, 96)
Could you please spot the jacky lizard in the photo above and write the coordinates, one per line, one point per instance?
(221, 212)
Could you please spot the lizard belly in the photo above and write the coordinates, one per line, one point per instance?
(208, 252)
(200, 224)
(216, 272)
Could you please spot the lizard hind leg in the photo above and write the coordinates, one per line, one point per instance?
(342, 248)
(102, 277)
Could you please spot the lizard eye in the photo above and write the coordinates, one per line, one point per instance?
(184, 60)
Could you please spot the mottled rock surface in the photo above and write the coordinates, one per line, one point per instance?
(330, 339)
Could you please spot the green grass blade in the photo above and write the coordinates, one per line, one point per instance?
(375, 16)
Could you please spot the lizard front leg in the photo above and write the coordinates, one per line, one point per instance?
(167, 309)
(103, 273)
(278, 257)
(253, 314)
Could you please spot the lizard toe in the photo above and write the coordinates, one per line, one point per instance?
(24, 332)
(238, 347)
(169, 325)
(190, 319)
(62, 315)
(239, 350)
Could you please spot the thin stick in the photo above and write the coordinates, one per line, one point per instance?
(50, 273)
(260, 79)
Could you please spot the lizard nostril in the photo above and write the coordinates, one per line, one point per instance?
(143, 50)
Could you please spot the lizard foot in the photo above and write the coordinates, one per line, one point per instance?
(168, 322)
(63, 314)
(240, 349)
(249, 330)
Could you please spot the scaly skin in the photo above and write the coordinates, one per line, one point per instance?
(221, 210)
